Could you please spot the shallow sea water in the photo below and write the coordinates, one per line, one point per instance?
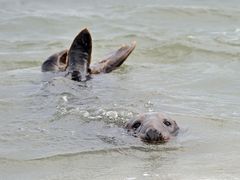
(186, 64)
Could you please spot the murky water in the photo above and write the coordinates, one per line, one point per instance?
(186, 64)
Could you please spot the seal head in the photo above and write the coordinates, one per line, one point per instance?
(153, 127)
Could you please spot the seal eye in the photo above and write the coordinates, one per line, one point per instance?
(167, 123)
(136, 125)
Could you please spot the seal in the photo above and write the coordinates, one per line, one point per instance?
(76, 60)
(153, 127)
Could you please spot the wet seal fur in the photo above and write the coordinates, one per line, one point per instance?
(153, 127)
(76, 61)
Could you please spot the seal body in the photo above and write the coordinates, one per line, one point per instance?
(153, 127)
(56, 62)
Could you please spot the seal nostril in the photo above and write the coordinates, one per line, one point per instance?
(150, 135)
(147, 136)
(160, 135)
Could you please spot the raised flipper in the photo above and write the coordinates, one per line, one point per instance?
(77, 59)
(114, 60)
(79, 56)
(56, 62)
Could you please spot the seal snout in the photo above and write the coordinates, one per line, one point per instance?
(153, 135)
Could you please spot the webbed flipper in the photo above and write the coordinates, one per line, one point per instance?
(114, 60)
(79, 56)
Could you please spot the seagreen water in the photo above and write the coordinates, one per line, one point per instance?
(186, 64)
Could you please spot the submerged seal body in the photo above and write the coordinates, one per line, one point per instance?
(153, 127)
(76, 60)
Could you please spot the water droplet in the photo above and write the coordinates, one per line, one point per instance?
(146, 174)
(85, 114)
(148, 104)
(101, 112)
(112, 114)
(65, 98)
(131, 178)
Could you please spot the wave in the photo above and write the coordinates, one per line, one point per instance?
(126, 149)
(121, 150)
(184, 45)
(190, 11)
(178, 49)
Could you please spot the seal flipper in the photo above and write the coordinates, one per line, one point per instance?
(79, 56)
(114, 60)
(56, 62)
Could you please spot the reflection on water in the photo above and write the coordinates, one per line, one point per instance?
(186, 64)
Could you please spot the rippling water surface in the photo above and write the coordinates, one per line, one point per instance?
(186, 64)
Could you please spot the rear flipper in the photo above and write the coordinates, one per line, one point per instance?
(56, 62)
(114, 60)
(79, 56)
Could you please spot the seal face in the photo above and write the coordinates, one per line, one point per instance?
(153, 127)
